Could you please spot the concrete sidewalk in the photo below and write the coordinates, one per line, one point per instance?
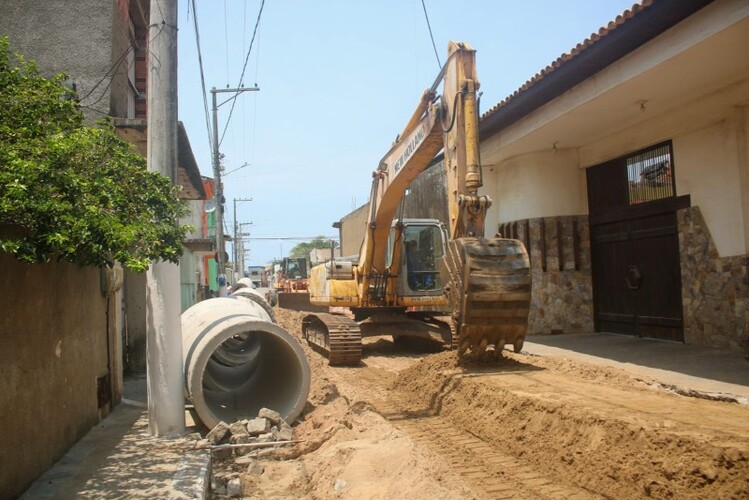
(685, 368)
(119, 459)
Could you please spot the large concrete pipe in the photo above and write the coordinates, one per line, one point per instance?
(238, 361)
(250, 293)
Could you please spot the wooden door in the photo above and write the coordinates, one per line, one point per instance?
(635, 245)
(636, 277)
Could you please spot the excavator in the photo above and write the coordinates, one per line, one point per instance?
(415, 277)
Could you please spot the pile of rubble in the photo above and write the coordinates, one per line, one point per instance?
(247, 440)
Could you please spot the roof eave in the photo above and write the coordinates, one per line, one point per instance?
(631, 34)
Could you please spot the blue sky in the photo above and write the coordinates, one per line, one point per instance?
(338, 81)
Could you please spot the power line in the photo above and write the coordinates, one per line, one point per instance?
(226, 44)
(434, 46)
(241, 78)
(202, 75)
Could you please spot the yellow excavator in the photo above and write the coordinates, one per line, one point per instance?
(414, 277)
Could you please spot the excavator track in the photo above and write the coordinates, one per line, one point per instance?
(337, 337)
(490, 292)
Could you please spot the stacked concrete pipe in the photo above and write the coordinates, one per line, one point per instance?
(237, 361)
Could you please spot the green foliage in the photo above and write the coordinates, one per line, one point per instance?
(304, 249)
(74, 192)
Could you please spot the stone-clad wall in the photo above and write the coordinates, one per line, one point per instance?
(562, 285)
(715, 290)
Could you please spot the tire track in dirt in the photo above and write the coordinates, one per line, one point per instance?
(486, 470)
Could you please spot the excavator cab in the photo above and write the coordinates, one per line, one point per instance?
(423, 246)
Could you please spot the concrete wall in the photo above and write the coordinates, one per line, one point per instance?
(71, 37)
(539, 184)
(709, 142)
(53, 347)
(54, 320)
(353, 227)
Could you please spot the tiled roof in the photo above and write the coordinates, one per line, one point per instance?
(636, 10)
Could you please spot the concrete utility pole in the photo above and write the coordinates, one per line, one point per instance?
(236, 241)
(220, 252)
(242, 235)
(166, 406)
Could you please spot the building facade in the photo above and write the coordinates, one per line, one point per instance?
(62, 325)
(623, 167)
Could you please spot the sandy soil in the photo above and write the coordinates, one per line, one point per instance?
(414, 424)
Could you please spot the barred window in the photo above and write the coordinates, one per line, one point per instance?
(650, 174)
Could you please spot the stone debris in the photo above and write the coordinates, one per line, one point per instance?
(271, 415)
(257, 426)
(233, 487)
(266, 438)
(217, 433)
(238, 428)
(285, 434)
(225, 440)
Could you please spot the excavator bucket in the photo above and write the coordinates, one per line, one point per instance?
(298, 301)
(490, 292)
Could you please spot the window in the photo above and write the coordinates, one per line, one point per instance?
(650, 174)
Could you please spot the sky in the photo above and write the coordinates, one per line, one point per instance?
(338, 81)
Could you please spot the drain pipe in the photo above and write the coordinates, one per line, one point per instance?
(237, 361)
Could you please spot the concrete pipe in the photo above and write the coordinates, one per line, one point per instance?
(252, 294)
(236, 361)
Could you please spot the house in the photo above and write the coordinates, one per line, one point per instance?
(624, 168)
(62, 325)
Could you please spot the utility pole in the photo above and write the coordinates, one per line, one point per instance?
(241, 236)
(220, 252)
(236, 232)
(166, 407)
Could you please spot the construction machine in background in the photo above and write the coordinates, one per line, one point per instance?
(290, 284)
(409, 269)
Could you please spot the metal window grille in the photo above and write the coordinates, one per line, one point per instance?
(650, 174)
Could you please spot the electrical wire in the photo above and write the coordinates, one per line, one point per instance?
(202, 76)
(429, 25)
(114, 68)
(246, 59)
(226, 44)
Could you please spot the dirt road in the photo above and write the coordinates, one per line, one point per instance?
(410, 424)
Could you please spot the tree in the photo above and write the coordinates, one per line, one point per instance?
(304, 249)
(74, 192)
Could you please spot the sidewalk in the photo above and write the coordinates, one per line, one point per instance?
(119, 459)
(685, 368)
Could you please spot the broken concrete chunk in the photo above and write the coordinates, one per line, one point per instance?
(217, 433)
(271, 415)
(258, 426)
(265, 438)
(233, 488)
(238, 428)
(285, 434)
(241, 439)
